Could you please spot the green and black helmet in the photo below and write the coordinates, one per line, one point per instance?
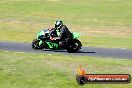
(58, 24)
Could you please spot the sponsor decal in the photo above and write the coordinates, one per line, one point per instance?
(83, 78)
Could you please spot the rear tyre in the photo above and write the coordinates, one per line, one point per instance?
(78, 44)
(35, 44)
(73, 46)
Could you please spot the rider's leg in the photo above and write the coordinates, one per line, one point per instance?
(62, 44)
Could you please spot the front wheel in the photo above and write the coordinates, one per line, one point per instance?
(35, 44)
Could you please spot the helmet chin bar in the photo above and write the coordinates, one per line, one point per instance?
(58, 27)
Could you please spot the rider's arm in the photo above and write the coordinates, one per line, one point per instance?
(62, 31)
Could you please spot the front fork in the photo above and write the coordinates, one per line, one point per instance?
(40, 42)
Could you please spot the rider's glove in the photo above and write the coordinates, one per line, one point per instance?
(52, 38)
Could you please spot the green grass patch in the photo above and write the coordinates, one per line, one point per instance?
(106, 41)
(21, 20)
(31, 70)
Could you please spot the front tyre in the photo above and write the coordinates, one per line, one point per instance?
(35, 44)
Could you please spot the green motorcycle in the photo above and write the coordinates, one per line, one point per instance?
(73, 45)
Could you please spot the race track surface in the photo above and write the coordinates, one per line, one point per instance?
(85, 51)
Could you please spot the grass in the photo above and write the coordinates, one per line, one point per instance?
(102, 23)
(30, 70)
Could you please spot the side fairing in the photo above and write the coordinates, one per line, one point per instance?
(40, 33)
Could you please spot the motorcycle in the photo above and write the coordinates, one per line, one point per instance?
(73, 45)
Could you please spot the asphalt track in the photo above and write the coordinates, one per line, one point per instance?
(85, 51)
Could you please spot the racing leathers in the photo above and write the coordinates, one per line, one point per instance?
(65, 35)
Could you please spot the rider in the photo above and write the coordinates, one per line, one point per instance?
(65, 34)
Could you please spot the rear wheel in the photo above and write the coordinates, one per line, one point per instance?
(35, 44)
(78, 44)
(73, 46)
